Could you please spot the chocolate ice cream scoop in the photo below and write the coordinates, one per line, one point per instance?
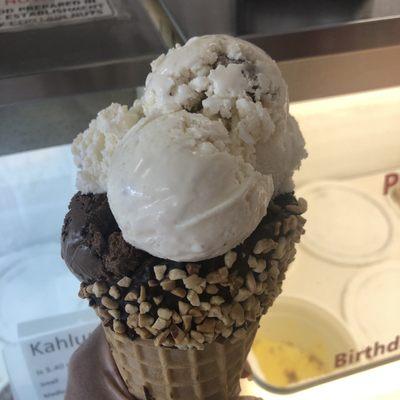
(94, 250)
(92, 244)
(119, 279)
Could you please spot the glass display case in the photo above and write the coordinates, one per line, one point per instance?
(337, 313)
(336, 325)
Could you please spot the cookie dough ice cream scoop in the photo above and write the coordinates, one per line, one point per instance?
(236, 82)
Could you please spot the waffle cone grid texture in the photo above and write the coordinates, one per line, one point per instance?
(161, 373)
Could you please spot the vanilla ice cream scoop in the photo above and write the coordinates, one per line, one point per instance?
(178, 192)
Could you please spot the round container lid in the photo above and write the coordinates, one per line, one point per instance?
(344, 225)
(371, 302)
(35, 284)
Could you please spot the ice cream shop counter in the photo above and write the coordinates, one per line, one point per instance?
(334, 330)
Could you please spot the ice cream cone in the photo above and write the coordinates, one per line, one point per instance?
(161, 373)
(187, 350)
(184, 333)
(185, 222)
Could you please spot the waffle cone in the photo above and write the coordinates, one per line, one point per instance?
(162, 373)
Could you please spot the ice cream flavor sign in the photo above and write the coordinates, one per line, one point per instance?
(57, 343)
(391, 180)
(47, 359)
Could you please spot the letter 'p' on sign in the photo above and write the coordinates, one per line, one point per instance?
(391, 179)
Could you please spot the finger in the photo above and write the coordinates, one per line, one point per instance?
(247, 373)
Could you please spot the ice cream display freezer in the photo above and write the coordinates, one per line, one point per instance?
(335, 329)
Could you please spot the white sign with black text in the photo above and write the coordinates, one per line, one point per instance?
(25, 14)
(37, 364)
(47, 357)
